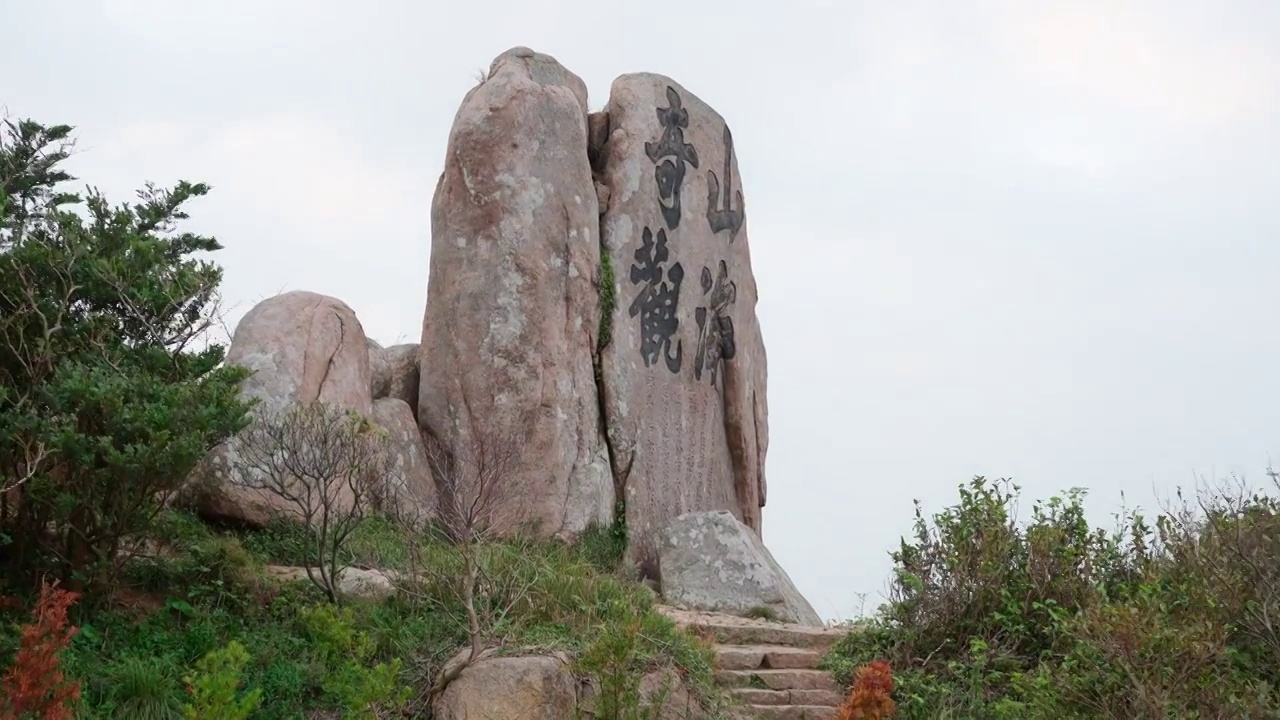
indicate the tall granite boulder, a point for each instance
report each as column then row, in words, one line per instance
column 513, row 311
column 684, row 371
column 300, row 347
column 711, row 561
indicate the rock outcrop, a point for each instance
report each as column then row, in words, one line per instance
column 711, row 561
column 683, row 375
column 512, row 312
column 300, row 347
column 590, row 331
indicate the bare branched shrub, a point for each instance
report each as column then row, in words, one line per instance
column 324, row 463
column 481, row 498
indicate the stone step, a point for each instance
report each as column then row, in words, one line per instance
column 754, row 696
column 732, row 630
column 776, row 657
column 789, row 712
column 776, row 679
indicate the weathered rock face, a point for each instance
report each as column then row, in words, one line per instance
column 410, row 495
column 711, row 561
column 394, row 373
column 301, row 347
column 684, row 372
column 536, row 687
column 512, row 311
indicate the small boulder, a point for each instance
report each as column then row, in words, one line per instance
column 535, row 687
column 302, row 346
column 711, row 561
column 353, row 582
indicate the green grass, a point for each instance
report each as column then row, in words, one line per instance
column 762, row 612
column 206, row 587
column 608, row 302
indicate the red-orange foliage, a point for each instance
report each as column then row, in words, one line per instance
column 34, row 688
column 869, row 699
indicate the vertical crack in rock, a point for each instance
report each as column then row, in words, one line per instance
column 597, row 139
column 303, row 393
column 337, row 351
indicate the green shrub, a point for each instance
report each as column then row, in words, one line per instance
column 104, row 412
column 215, row 683
column 992, row 618
column 355, row 683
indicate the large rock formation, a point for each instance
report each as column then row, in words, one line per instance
column 300, row 347
column 684, row 372
column 711, row 561
column 512, row 312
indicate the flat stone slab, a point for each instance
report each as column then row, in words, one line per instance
column 752, row 657
column 777, row 679
column 732, row 630
column 789, row 712
column 756, row 696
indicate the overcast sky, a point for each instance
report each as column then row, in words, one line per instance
column 1024, row 239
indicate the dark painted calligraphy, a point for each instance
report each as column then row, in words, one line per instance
column 670, row 154
column 715, row 327
column 726, row 217
column 657, row 300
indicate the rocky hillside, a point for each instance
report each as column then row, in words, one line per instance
column 558, row 317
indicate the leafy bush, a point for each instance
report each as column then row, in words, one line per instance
column 215, row 684
column 991, row 618
column 104, row 406
column 359, row 686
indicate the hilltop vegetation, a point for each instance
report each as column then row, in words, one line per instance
column 1167, row 618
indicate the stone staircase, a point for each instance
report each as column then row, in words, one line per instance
column 770, row 667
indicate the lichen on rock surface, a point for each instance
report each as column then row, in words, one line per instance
column 513, row 311
column 711, row 561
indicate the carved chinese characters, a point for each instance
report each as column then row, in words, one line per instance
column 683, row 375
